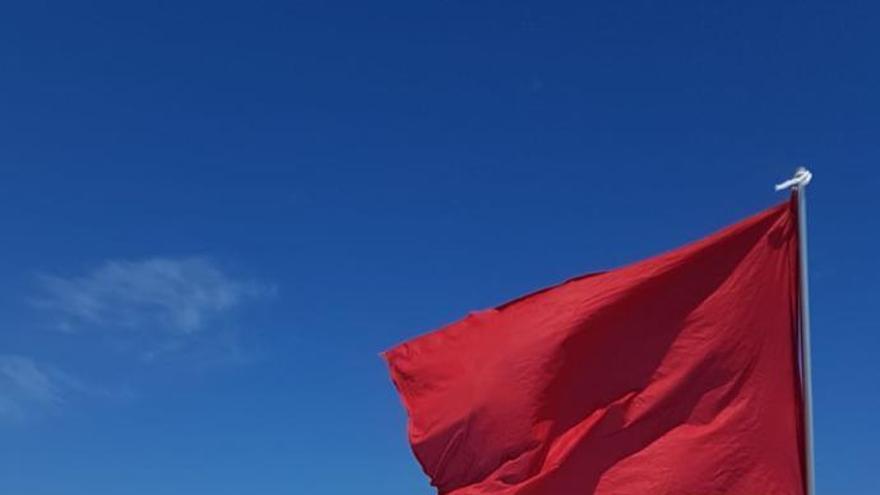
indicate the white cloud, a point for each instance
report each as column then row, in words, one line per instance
column 26, row 386
column 177, row 296
column 29, row 388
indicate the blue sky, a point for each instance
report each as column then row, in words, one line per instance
column 214, row 216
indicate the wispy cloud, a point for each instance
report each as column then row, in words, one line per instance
column 26, row 386
column 162, row 304
column 30, row 388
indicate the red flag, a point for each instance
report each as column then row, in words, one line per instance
column 675, row 375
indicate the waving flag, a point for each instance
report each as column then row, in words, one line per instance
column 675, row 375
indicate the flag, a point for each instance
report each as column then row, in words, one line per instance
column 674, row 375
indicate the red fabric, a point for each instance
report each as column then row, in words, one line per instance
column 674, row 375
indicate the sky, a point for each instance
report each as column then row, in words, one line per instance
column 214, row 216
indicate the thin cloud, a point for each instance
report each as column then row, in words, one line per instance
column 30, row 388
column 178, row 296
column 27, row 387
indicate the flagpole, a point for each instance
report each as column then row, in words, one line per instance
column 798, row 184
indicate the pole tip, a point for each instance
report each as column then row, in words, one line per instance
column 801, row 178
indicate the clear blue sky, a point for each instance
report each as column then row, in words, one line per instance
column 214, row 216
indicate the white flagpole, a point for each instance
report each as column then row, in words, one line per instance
column 798, row 183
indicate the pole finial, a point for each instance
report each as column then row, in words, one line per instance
column 801, row 178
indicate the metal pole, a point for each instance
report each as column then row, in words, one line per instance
column 804, row 306
column 798, row 184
